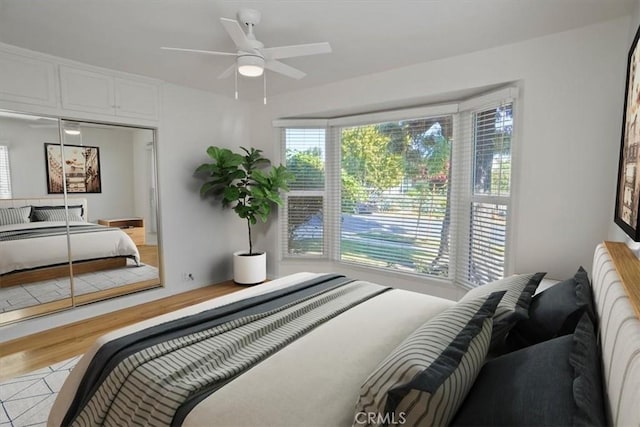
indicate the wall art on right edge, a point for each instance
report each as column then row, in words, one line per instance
column 628, row 193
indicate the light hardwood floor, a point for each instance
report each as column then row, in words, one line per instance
column 54, row 345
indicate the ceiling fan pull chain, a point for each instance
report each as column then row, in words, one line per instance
column 264, row 81
column 236, row 82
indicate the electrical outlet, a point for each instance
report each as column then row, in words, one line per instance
column 187, row 277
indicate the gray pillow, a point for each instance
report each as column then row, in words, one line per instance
column 555, row 312
column 56, row 213
column 425, row 379
column 514, row 305
column 10, row 216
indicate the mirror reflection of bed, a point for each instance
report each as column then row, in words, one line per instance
column 113, row 241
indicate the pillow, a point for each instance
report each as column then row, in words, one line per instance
column 55, row 213
column 10, row 216
column 554, row 312
column 74, row 217
column 514, row 305
column 554, row 383
column 424, row 380
column 58, row 215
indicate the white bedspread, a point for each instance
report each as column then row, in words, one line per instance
column 24, row 254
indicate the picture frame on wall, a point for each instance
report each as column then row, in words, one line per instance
column 81, row 168
column 628, row 191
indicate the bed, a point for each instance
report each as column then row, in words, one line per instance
column 33, row 241
column 311, row 349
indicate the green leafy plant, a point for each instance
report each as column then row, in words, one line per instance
column 245, row 182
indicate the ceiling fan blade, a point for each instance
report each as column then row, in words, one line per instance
column 236, row 33
column 282, row 68
column 226, row 73
column 43, row 126
column 296, row 50
column 208, row 52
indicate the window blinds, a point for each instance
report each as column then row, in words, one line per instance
column 395, row 199
column 303, row 231
column 428, row 195
column 5, row 173
column 485, row 191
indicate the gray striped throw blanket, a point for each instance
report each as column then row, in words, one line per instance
column 155, row 377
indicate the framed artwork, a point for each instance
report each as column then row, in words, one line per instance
column 81, row 168
column 628, row 193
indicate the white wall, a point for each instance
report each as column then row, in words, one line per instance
column 572, row 86
column 116, row 171
column 26, row 155
column 28, row 170
column 141, row 175
column 198, row 235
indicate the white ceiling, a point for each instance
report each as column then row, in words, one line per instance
column 366, row 36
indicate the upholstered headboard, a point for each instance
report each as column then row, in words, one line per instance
column 46, row 201
column 619, row 329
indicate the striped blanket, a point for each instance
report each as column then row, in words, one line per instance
column 156, row 376
column 30, row 233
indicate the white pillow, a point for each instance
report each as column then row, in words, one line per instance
column 514, row 306
column 426, row 378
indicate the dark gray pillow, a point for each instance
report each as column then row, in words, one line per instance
column 424, row 380
column 553, row 383
column 513, row 307
column 554, row 312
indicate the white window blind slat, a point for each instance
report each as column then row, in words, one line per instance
column 5, row 173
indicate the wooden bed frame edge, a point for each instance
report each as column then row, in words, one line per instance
column 628, row 268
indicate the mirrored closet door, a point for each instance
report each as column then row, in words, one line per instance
column 34, row 254
column 91, row 189
column 115, row 250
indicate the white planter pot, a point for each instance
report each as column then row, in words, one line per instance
column 249, row 270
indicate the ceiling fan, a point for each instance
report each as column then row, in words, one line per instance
column 252, row 57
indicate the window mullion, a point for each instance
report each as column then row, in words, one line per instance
column 462, row 174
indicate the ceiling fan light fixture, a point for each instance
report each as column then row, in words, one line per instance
column 72, row 128
column 250, row 65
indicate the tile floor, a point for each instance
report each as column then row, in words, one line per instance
column 27, row 400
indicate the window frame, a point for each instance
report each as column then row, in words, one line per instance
column 284, row 241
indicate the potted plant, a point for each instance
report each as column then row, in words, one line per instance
column 250, row 186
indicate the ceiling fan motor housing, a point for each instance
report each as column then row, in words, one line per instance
column 249, row 17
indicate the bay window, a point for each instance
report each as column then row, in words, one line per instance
column 421, row 191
